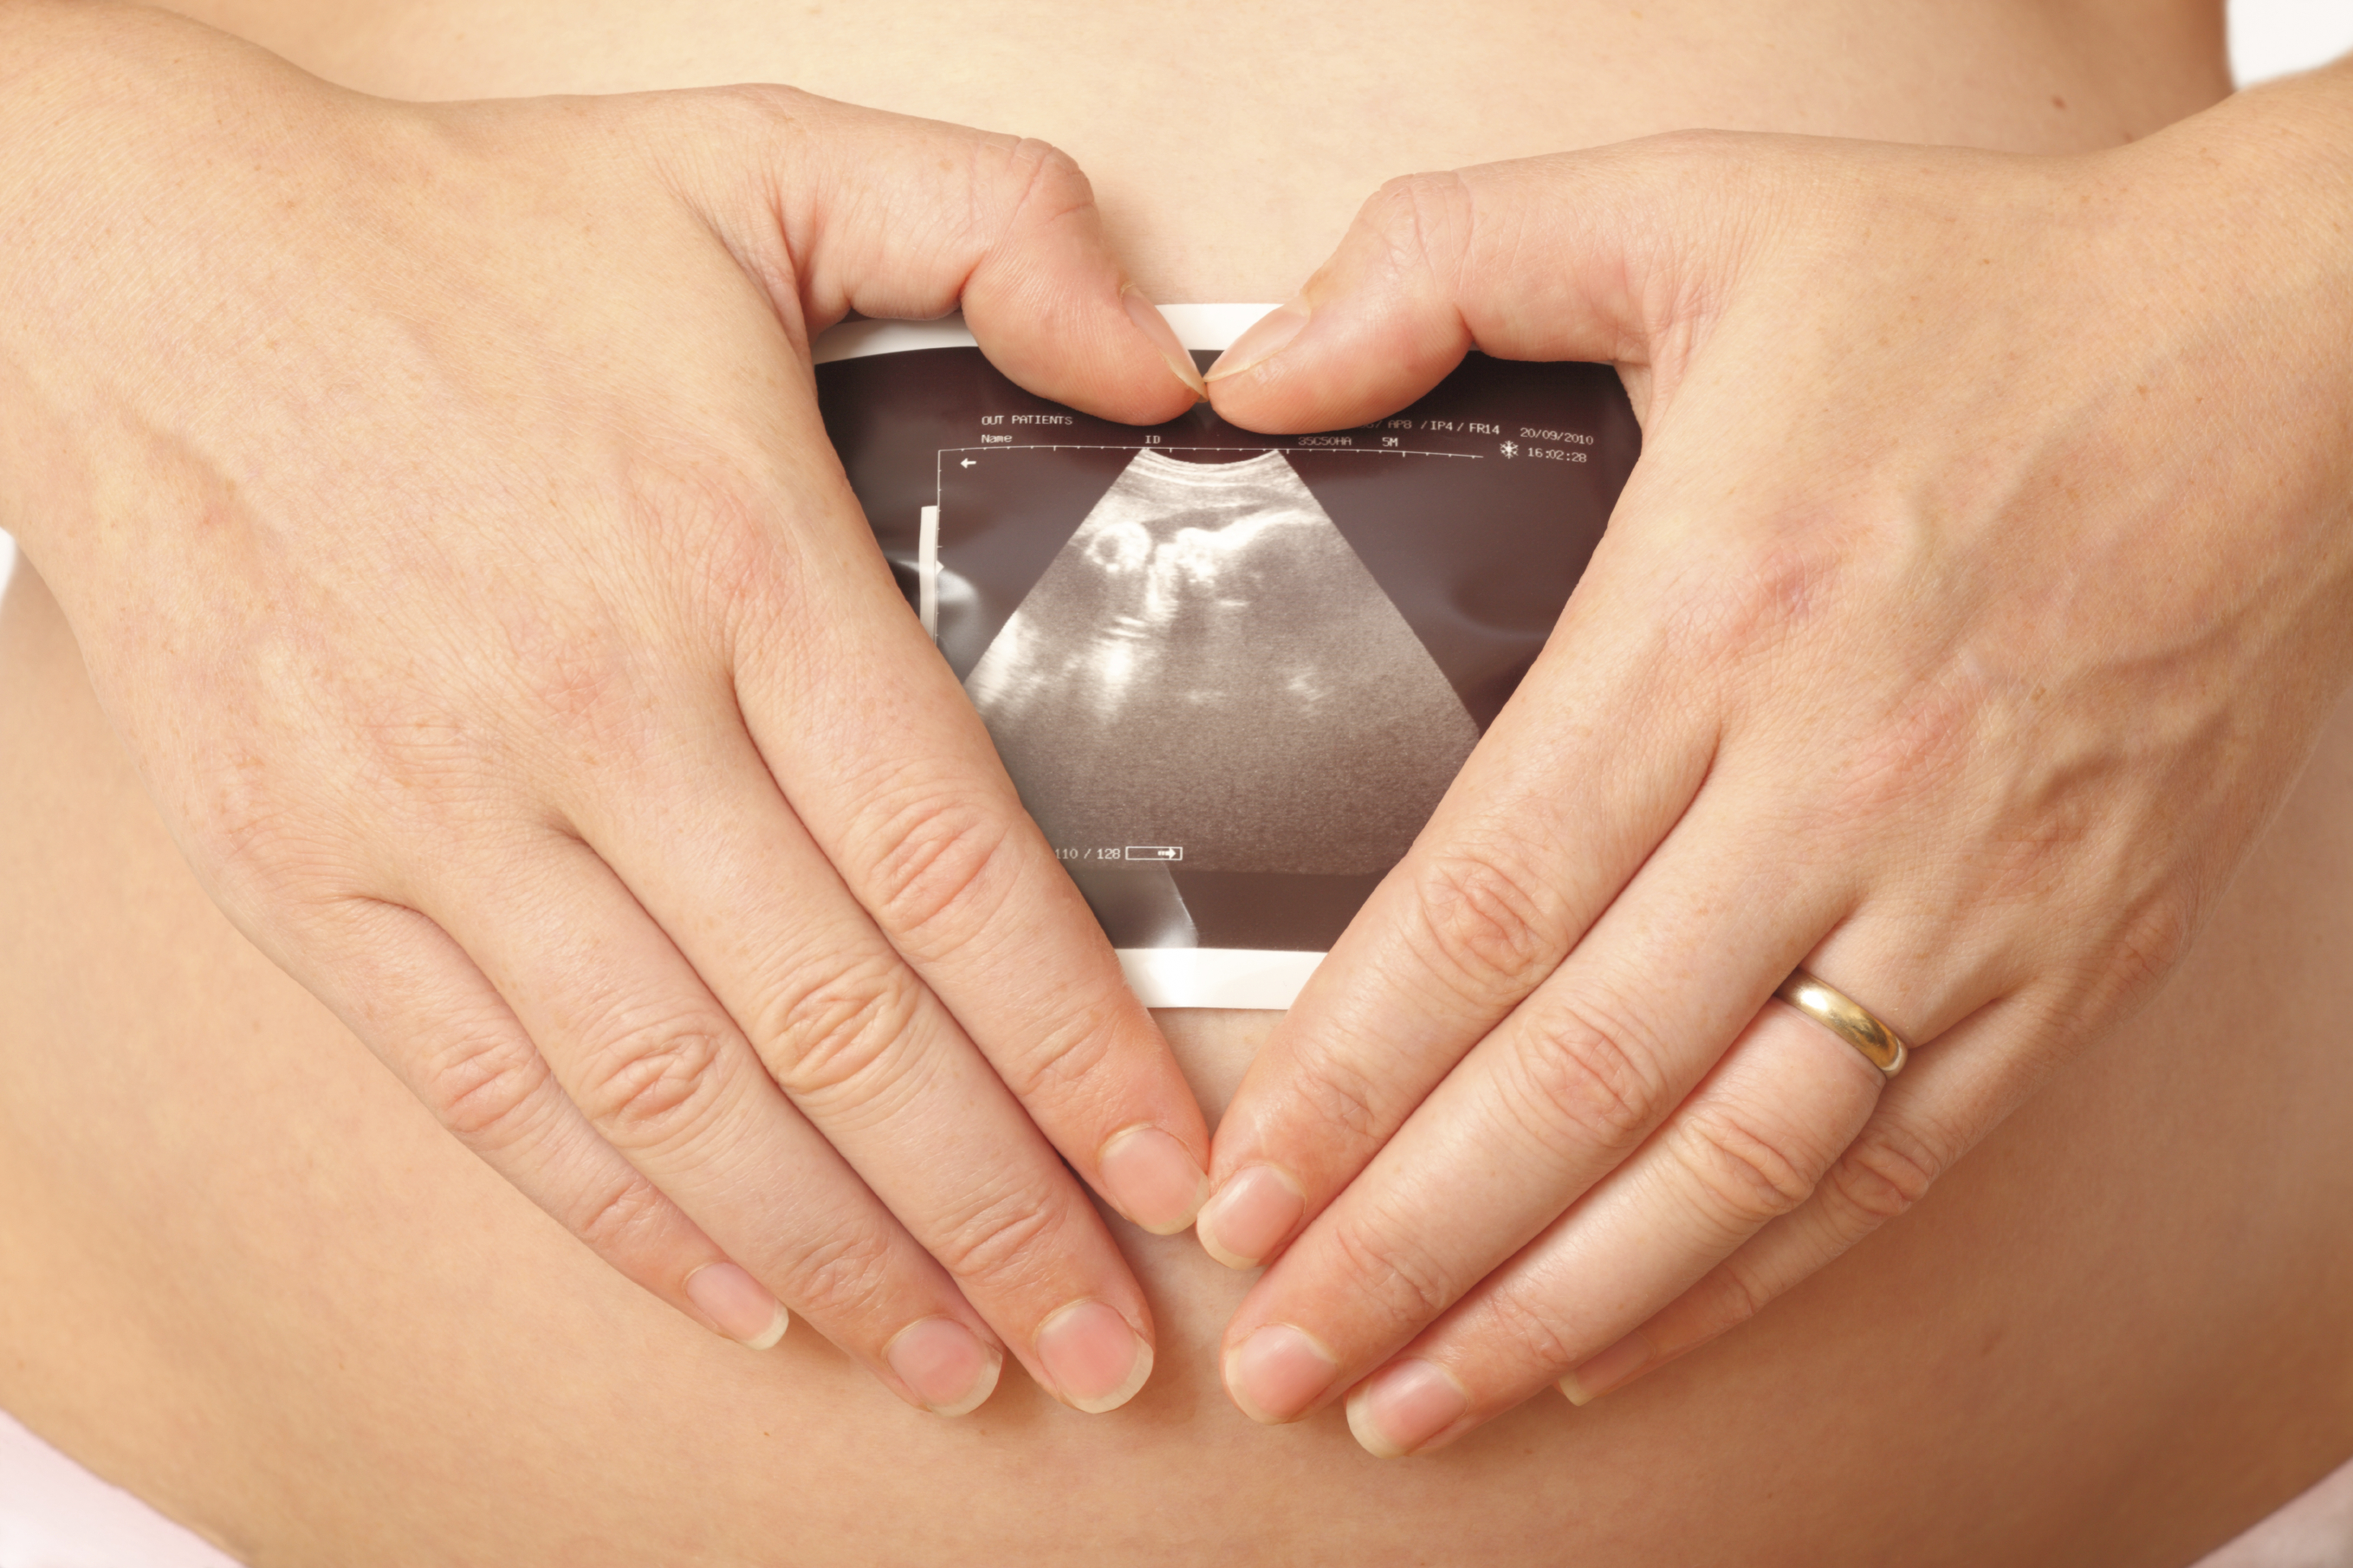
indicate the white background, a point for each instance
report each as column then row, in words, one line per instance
column 2271, row 37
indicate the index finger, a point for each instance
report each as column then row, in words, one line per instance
column 874, row 742
column 882, row 757
column 1548, row 819
column 1544, row 827
column 1612, row 254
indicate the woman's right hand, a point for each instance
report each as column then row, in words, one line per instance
column 439, row 496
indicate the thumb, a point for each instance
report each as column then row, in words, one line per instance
column 839, row 208
column 1617, row 255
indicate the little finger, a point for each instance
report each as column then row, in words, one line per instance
column 420, row 1003
column 1561, row 1093
column 879, row 754
column 1510, row 875
column 1930, row 1116
column 872, row 1059
column 662, row 1072
column 1748, row 1145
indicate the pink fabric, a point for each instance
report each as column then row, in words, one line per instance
column 55, row 1514
column 2315, row 1531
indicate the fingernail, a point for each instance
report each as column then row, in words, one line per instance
column 1264, row 339
column 1404, row 1406
column 739, row 1304
column 1249, row 1216
column 946, row 1366
column 1153, row 1180
column 1093, row 1355
column 1153, row 326
column 1613, row 1368
column 1278, row 1373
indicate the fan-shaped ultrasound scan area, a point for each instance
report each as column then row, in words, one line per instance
column 1207, row 667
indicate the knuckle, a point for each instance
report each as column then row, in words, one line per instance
column 707, row 517
column 482, row 1087
column 574, row 672
column 1747, row 1174
column 1588, row 1081
column 750, row 113
column 1746, row 602
column 1402, row 1281
column 1020, row 183
column 1732, row 1294
column 842, row 1276
column 242, row 831
column 616, row 1221
column 1074, row 1052
column 2156, row 938
column 1686, row 144
column 770, row 104
column 831, row 1037
column 441, row 763
column 1423, row 223
column 1052, row 181
column 938, row 863
column 1338, row 1093
column 654, row 1083
column 1483, row 925
column 1528, row 1338
column 1003, row 1237
column 1883, row 1172
column 1921, row 744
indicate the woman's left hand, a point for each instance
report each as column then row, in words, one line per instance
column 1985, row 580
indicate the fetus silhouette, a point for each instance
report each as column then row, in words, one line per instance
column 1208, row 673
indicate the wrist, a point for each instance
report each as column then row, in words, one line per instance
column 2258, row 193
column 120, row 129
column 2259, row 187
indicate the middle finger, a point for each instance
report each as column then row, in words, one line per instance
column 660, row 1073
column 1508, row 877
column 876, row 1062
column 1561, row 1093
column 1752, row 1141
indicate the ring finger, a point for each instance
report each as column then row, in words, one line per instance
column 1750, row 1145
column 876, row 1062
column 1919, row 1128
column 662, row 1074
column 1563, row 1092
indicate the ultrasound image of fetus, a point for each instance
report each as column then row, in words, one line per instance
column 1207, row 666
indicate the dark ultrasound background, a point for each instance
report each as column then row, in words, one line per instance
column 1211, row 668
column 1206, row 672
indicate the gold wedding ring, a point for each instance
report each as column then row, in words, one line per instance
column 1849, row 1020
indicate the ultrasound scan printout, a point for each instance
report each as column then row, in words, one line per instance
column 1230, row 674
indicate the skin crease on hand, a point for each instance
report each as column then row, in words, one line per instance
column 538, row 697
column 1987, row 656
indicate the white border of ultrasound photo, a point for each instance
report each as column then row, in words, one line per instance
column 1161, row 977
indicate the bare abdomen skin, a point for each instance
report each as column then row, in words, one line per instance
column 242, row 1272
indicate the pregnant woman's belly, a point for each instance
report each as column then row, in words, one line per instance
column 1229, row 144
column 242, row 1272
